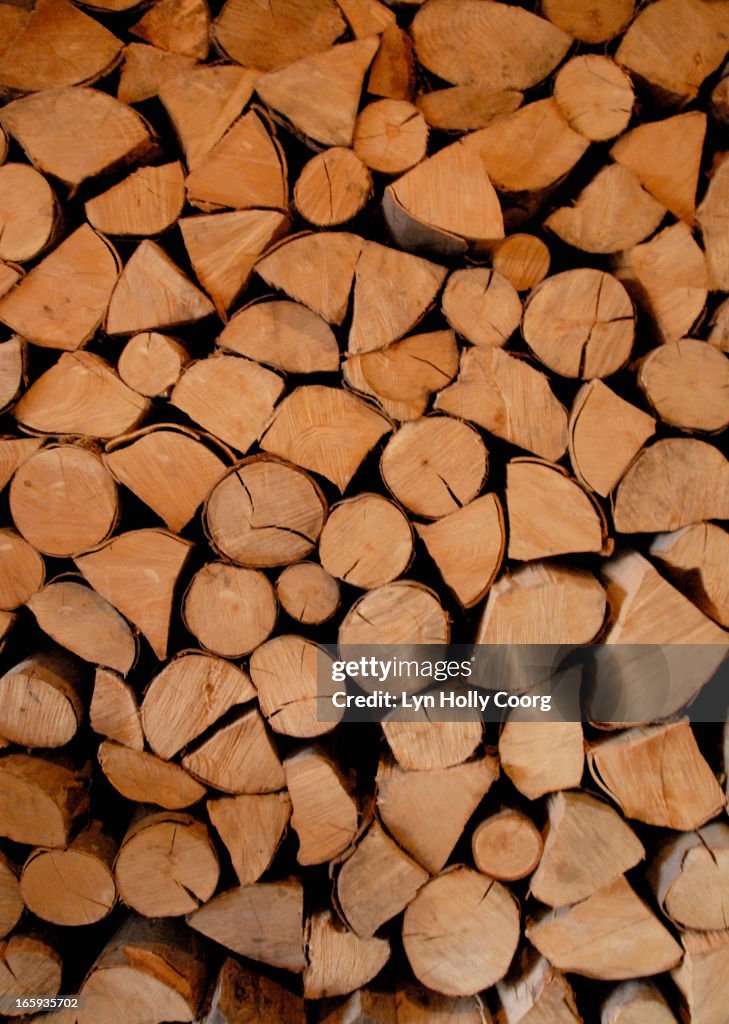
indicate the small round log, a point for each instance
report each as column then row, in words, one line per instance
column 308, row 593
column 366, row 542
column 332, row 188
column 507, row 846
column 229, row 609
column 390, row 136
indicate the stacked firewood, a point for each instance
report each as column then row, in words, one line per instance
column 362, row 323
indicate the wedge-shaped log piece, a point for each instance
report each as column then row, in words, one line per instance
column 325, row 430
column 339, row 961
column 587, row 846
column 144, row 778
column 466, row 107
column 180, row 26
column 251, row 827
column 549, row 513
column 366, row 542
column 79, row 619
column 238, row 990
column 687, row 383
column 668, row 278
column 580, row 323
column 28, row 967
column 146, row 203
column 28, row 213
column 506, row 846
column 390, row 136
column 146, row 70
column 264, row 513
column 230, row 610
column 282, row 334
column 500, row 46
column 392, row 293
column 62, row 301
column 316, row 269
column 224, row 247
column 325, row 814
column 115, row 571
column 153, row 293
column 47, row 127
column 12, row 374
column 320, row 94
column 188, row 696
column 22, row 570
column 41, row 700
column 113, row 711
column 275, row 36
column 376, row 882
column 594, row 21
column 674, row 482
column 333, row 187
column 263, row 922
column 703, row 977
column 422, row 212
column 366, row 17
column 58, row 45
column 151, row 363
column 534, row 991
column 650, row 47
column 482, row 305
column 529, row 150
column 689, row 877
column 677, row 788
column 461, row 932
column 166, row 865
column 11, row 902
column 541, row 757
column 233, row 398
column 239, row 758
column 448, row 795
column 612, row 936
column 507, row 396
column 712, row 217
column 468, row 547
column 612, row 212
column 634, row 1002
column 605, row 435
column 40, row 800
column 168, row 468
column 285, row 672
column 666, row 156
column 694, row 557
column 595, row 96
column 246, row 169
column 392, row 73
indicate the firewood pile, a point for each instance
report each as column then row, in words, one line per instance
column 361, row 323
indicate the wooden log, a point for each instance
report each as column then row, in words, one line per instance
column 418, row 1005
column 465, row 107
column 13, row 453
column 605, row 434
column 263, row 922
column 58, row 45
column 10, row 274
column 450, row 932
column 686, row 383
column 278, row 36
column 392, row 72
column 612, row 935
column 341, row 430
column 80, row 394
column 188, row 696
column 367, row 541
column 506, row 846
column 146, row 70
column 12, row 370
column 595, row 22
column 448, row 795
column 325, row 814
column 333, row 187
column 251, row 828
column 376, row 882
column 390, row 136
column 239, row 995
column 40, row 800
column 468, row 547
column 264, row 513
column 113, row 710
column 482, row 306
column 719, row 328
column 701, row 978
column 41, row 700
column 420, row 744
column 43, row 124
column 673, row 483
column 523, row 260
column 371, row 1002
column 338, row 961
column 535, row 991
column 153, row 293
column 503, row 393
column 11, row 900
column 677, row 788
column 29, row 213
column 711, row 217
column 238, row 758
column 286, row 672
column 147, row 202
column 143, row 778
column 400, row 612
column 28, row 967
column 595, row 95
column 549, row 513
column 688, row 877
column 166, row 865
column 80, row 620
column 636, row 1002
column 114, row 570
column 587, row 846
column 74, row 886
column 668, row 277
column 308, row 593
column 180, row 26
column 282, row 334
column 22, row 570
column 541, row 757
column 169, row 468
column 151, row 363
column 228, row 609
column 580, row 323
column 693, row 556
